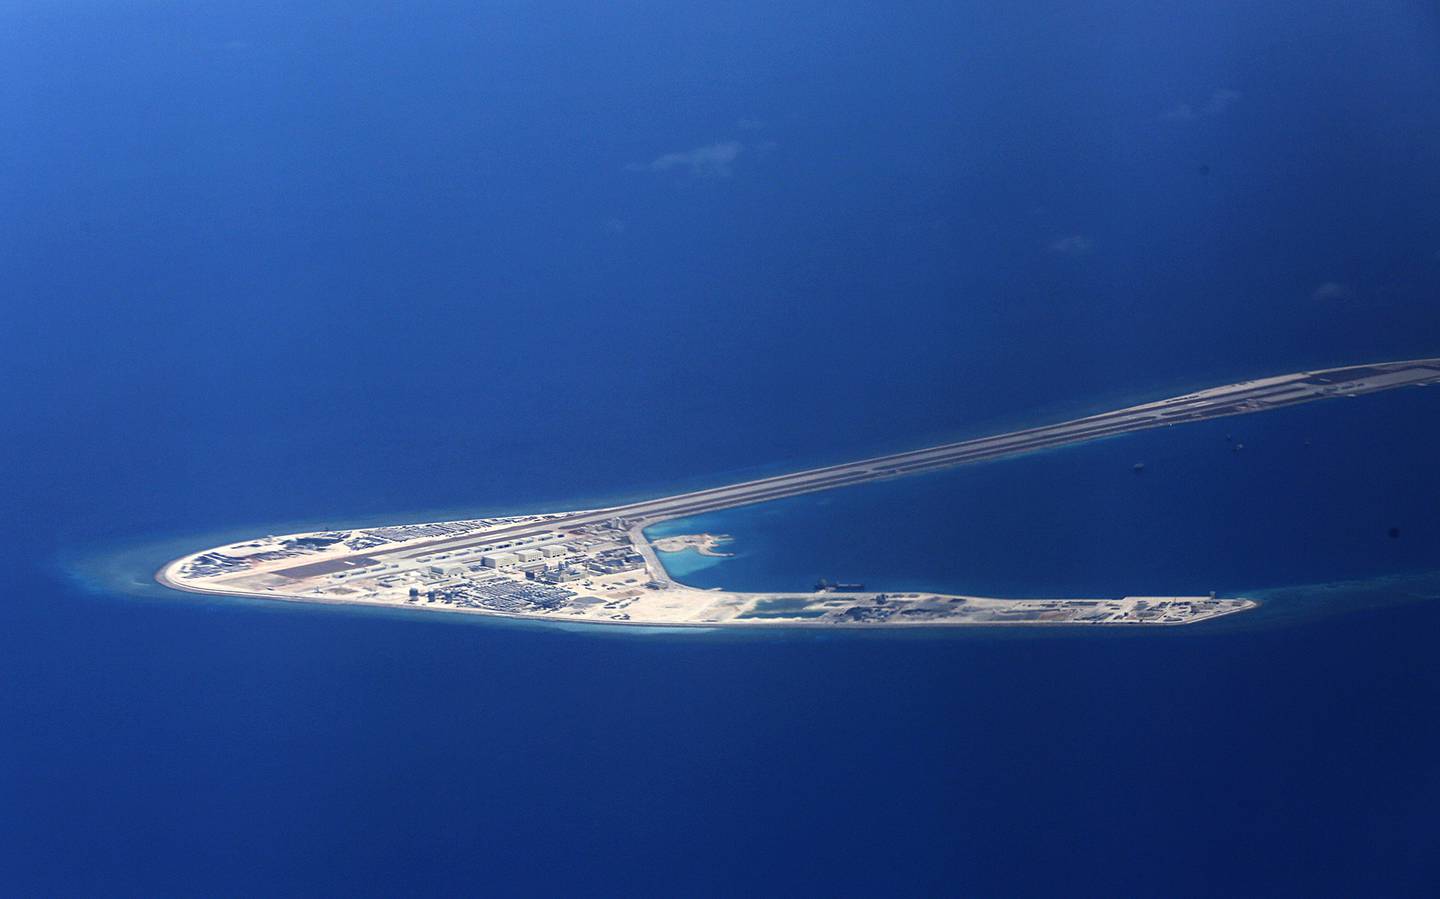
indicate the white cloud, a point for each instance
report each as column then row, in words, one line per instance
column 749, row 124
column 711, row 161
column 1331, row 290
column 1218, row 103
column 613, row 226
column 1072, row 245
column 1220, row 100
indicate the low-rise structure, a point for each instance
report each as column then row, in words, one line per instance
column 499, row 560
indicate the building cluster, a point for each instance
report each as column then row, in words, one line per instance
column 524, row 557
column 526, row 574
column 497, row 594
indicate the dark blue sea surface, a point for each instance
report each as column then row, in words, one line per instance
column 272, row 266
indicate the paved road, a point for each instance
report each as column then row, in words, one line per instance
column 1231, row 399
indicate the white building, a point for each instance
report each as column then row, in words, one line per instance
column 499, row 560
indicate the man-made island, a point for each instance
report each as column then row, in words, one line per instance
column 597, row 565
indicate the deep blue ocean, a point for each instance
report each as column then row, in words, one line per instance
column 267, row 266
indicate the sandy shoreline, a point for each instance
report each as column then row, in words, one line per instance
column 749, row 624
column 704, row 544
column 597, row 566
column 698, row 599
